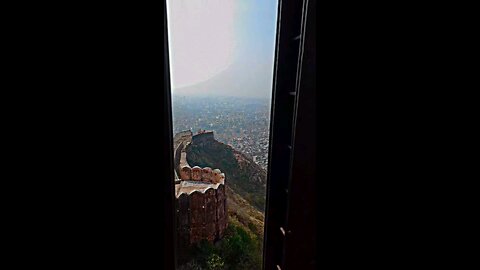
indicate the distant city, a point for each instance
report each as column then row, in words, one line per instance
column 242, row 123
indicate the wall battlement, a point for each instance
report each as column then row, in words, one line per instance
column 184, row 134
column 201, row 203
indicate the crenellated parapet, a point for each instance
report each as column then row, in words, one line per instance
column 205, row 175
column 201, row 203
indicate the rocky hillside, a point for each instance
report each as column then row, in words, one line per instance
column 240, row 211
column 243, row 175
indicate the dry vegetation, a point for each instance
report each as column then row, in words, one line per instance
column 241, row 211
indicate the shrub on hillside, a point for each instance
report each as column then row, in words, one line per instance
column 238, row 250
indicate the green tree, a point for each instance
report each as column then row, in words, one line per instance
column 214, row 262
column 238, row 250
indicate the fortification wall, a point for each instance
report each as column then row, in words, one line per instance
column 201, row 203
column 177, row 156
column 180, row 140
column 183, row 156
column 201, row 216
column 183, row 135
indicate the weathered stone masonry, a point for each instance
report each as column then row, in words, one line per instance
column 200, row 199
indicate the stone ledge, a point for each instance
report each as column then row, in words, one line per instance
column 188, row 187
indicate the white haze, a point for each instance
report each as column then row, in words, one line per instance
column 222, row 47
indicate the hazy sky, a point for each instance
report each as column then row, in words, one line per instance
column 222, row 47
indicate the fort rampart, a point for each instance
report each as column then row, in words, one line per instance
column 200, row 198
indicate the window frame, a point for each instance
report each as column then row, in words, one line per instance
column 291, row 17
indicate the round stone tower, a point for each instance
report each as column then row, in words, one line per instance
column 200, row 205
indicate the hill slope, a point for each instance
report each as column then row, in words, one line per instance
column 243, row 175
column 239, row 210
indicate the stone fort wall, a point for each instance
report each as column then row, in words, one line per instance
column 177, row 154
column 180, row 140
column 201, row 216
column 200, row 203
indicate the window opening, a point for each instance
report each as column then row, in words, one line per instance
column 221, row 64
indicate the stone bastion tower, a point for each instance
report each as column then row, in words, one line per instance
column 200, row 204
